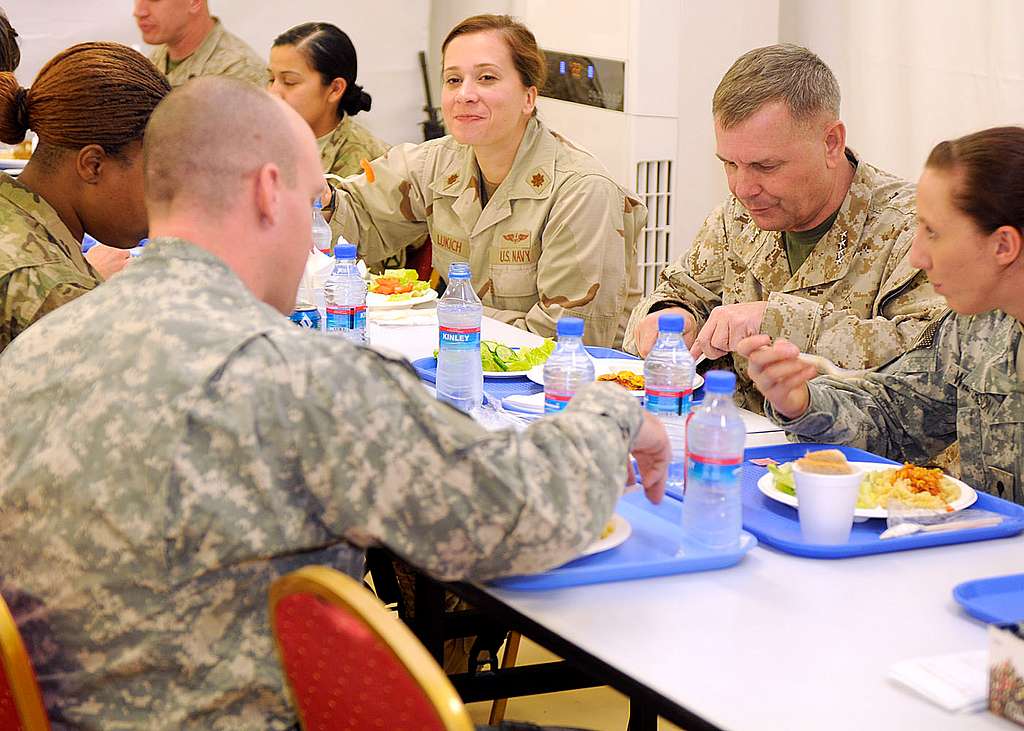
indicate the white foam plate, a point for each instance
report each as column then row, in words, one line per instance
column 376, row 301
column 610, row 365
column 766, row 484
column 621, row 530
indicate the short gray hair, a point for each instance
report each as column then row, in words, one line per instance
column 784, row 72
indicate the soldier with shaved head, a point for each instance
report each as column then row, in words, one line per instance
column 246, row 447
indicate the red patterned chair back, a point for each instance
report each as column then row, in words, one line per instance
column 21, row 703
column 352, row 666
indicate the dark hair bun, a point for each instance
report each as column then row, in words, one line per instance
column 355, row 100
column 13, row 110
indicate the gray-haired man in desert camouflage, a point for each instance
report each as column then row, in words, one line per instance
column 812, row 243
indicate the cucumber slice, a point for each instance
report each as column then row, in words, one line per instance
column 504, row 354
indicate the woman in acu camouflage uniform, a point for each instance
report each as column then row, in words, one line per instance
column 964, row 379
column 545, row 229
column 89, row 107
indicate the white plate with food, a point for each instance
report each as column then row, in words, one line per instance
column 629, row 372
column 880, row 484
column 376, row 301
column 614, row 534
column 504, row 374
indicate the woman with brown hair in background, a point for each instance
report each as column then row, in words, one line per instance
column 89, row 106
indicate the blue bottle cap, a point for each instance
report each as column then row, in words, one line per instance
column 318, row 205
column 570, row 326
column 345, row 251
column 719, row 381
column 670, row 323
column 458, row 270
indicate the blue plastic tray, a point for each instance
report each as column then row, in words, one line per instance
column 777, row 525
column 654, row 548
column 999, row 600
column 499, row 388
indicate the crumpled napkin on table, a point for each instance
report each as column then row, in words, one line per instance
column 957, row 682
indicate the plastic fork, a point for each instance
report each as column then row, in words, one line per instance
column 828, row 368
column 907, row 529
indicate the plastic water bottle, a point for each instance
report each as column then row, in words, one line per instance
column 321, row 230
column 568, row 368
column 345, row 296
column 460, row 374
column 712, row 509
column 668, row 383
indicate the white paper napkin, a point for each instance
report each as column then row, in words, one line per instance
column 407, row 316
column 957, row 682
column 532, row 404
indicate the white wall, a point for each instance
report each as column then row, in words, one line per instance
column 915, row 72
column 387, row 35
column 712, row 36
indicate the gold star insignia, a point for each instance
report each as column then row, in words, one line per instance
column 537, row 181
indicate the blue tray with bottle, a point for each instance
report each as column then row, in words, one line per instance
column 776, row 524
column 654, row 546
column 506, row 385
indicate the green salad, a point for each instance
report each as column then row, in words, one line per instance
column 784, row 481
column 500, row 358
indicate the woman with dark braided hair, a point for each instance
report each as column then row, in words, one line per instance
column 89, row 106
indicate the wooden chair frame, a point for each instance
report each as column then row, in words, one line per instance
column 17, row 668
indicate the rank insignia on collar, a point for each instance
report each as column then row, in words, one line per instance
column 841, row 249
column 452, row 179
column 538, row 180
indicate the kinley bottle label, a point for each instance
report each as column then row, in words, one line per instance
column 346, row 318
column 555, row 401
column 674, row 403
column 458, row 338
column 713, row 470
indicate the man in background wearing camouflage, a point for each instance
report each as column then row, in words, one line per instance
column 170, row 443
column 811, row 245
column 964, row 379
column 193, row 43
